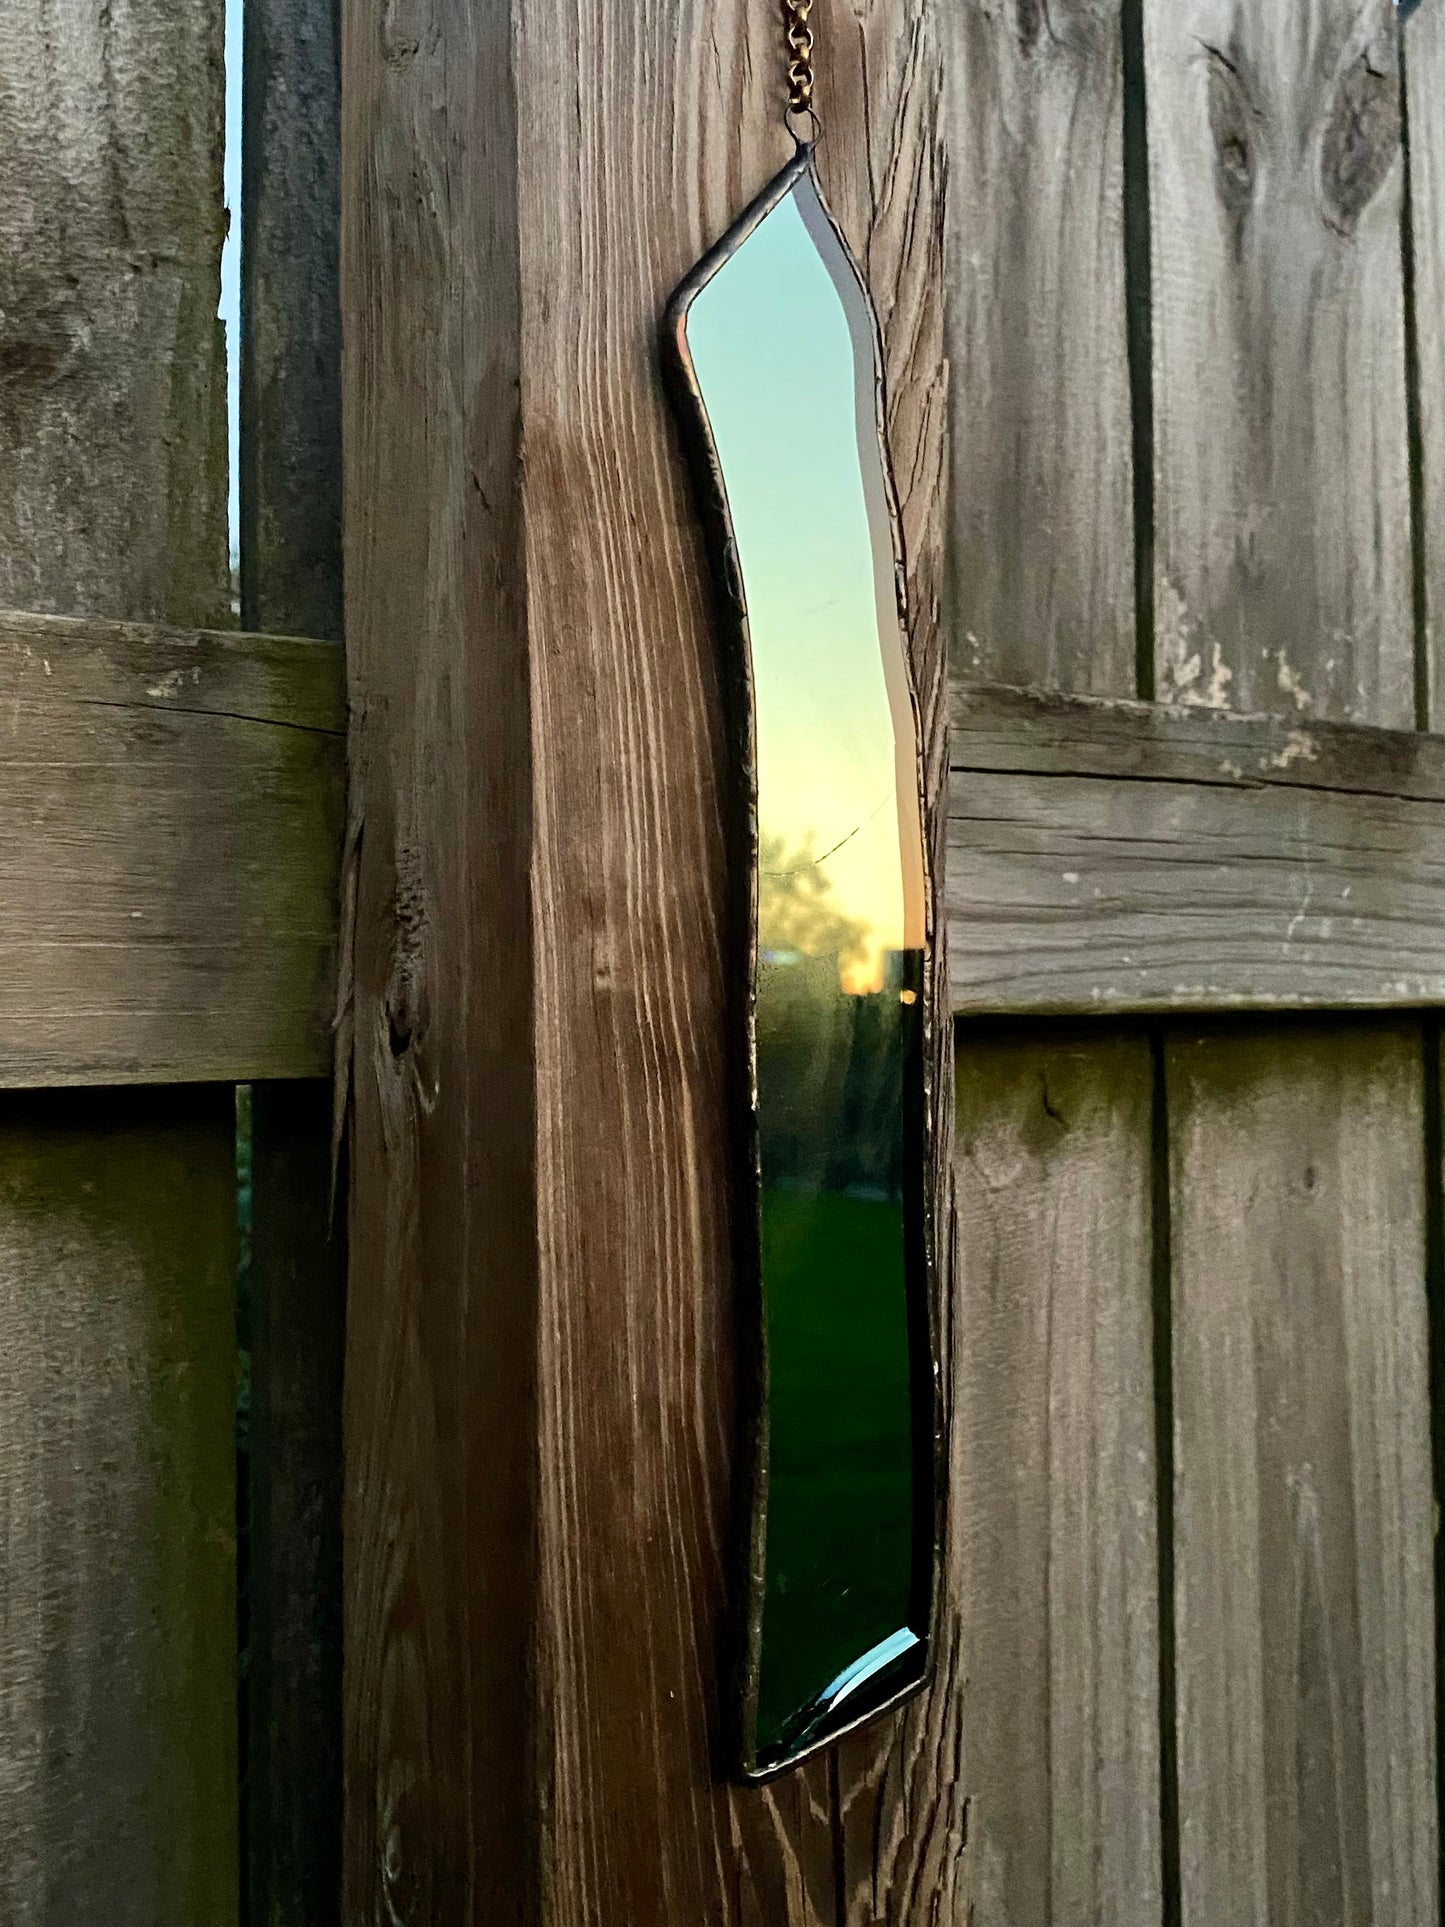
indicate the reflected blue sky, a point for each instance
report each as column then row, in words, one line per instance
column 231, row 264
column 779, row 367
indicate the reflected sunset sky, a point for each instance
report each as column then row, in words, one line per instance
column 789, row 392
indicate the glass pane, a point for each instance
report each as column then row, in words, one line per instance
column 777, row 351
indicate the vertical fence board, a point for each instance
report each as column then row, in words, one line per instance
column 972, row 1808
column 1283, row 498
column 117, row 1490
column 291, row 578
column 1305, row 1605
column 1425, row 78
column 534, row 1671
column 1053, row 1450
column 117, row 1214
column 1041, row 556
column 291, row 582
column 441, row 1799
column 1303, row 1547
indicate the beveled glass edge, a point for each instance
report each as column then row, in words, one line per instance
column 752, row 1378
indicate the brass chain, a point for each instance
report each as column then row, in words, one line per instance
column 800, row 58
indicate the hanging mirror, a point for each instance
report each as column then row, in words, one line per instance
column 773, row 351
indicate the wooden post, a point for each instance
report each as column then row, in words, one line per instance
column 539, row 1396
column 117, row 1212
column 291, row 581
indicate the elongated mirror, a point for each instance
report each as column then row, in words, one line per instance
column 773, row 352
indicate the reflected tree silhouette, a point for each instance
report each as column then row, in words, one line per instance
column 796, row 910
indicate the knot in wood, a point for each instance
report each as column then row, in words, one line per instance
column 1075, row 27
column 1361, row 139
column 1233, row 124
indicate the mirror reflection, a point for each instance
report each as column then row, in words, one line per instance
column 778, row 337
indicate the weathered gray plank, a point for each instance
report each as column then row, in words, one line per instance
column 291, row 580
column 1283, row 503
column 1305, row 1601
column 174, row 803
column 113, row 378
column 1425, row 81
column 1053, row 1693
column 1041, row 561
column 87, row 663
column 1284, row 583
column 117, row 1228
column 1036, row 732
column 117, row 1496
column 1120, row 857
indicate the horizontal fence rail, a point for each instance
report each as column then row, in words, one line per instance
column 1117, row 856
column 176, row 801
column 173, row 803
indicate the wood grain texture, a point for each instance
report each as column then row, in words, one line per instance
column 631, row 986
column 540, row 1377
column 1425, row 83
column 117, row 1214
column 291, row 580
column 1304, row 1591
column 113, row 380
column 291, row 575
column 1283, row 502
column 117, row 1492
column 1041, row 561
column 444, row 1809
column 1056, row 1690
column 174, row 801
column 1284, row 582
column 1119, row 856
column 1026, row 1787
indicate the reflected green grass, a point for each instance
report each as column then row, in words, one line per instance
column 841, row 1490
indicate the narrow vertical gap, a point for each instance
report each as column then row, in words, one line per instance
column 230, row 315
column 1139, row 310
column 1138, row 282
column 1163, row 1274
column 1434, row 1132
column 246, row 453
column 230, row 309
column 244, row 1230
column 1435, row 1296
column 1414, row 428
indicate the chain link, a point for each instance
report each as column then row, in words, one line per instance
column 800, row 58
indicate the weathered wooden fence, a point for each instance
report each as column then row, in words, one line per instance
column 1163, row 292
column 171, row 806
column 1151, row 300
